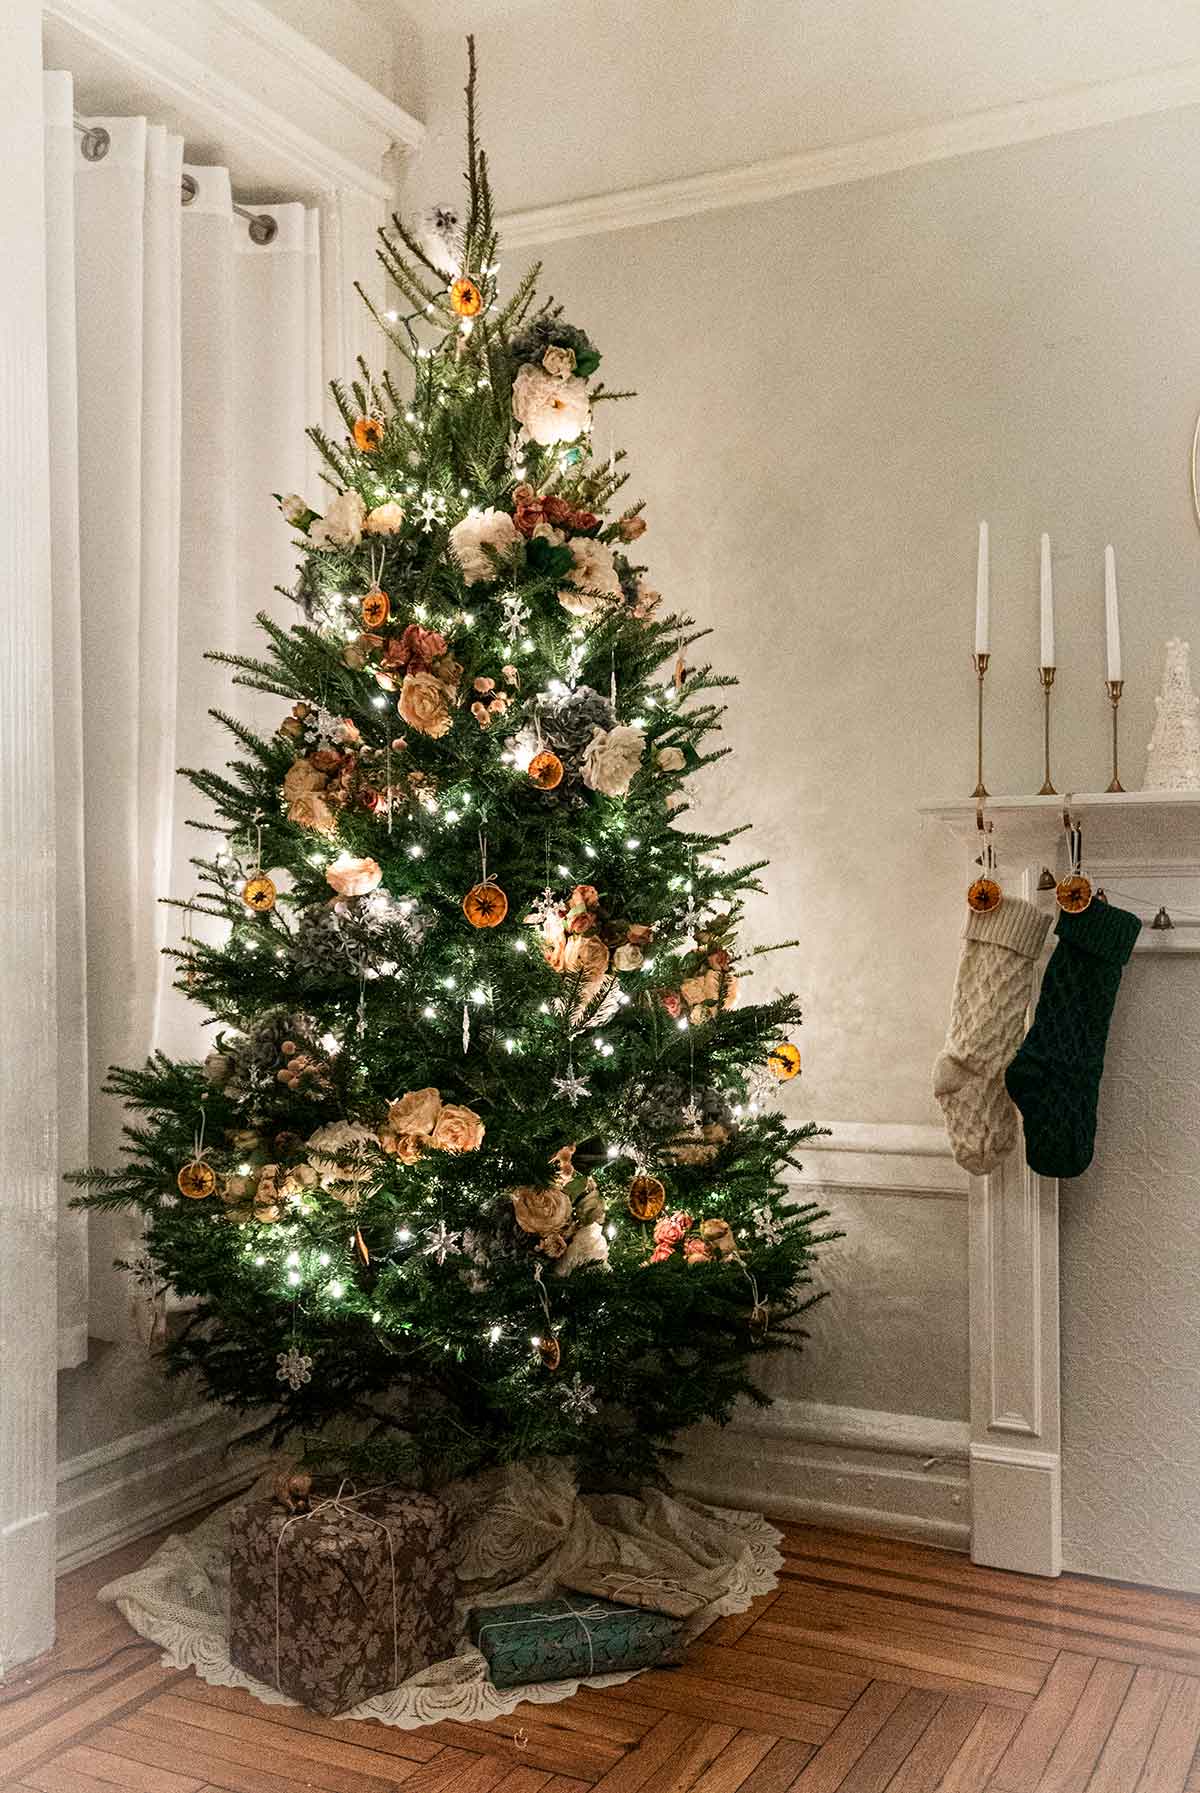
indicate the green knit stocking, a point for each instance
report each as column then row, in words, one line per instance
column 1055, row 1077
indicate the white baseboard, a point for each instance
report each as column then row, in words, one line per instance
column 121, row 1491
column 896, row 1474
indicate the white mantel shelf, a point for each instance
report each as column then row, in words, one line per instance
column 1117, row 825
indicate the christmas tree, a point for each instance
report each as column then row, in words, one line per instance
column 482, row 1164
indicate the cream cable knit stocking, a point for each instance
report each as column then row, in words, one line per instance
column 987, row 1024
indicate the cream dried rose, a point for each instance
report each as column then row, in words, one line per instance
column 541, row 1211
column 559, row 363
column 342, row 524
column 457, row 1130
column 352, row 877
column 588, row 1246
column 481, row 529
column 551, row 410
column 611, row 758
column 628, row 958
column 311, row 811
column 294, row 508
column 425, row 704
column 670, row 759
column 592, row 577
column 385, row 519
column 417, row 1112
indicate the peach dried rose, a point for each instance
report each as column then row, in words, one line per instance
column 457, row 1129
column 541, row 1211
column 719, row 1235
column 553, row 1244
column 695, row 1251
column 352, row 877
column 416, row 1112
column 404, row 1146
column 302, row 778
column 311, row 811
column 630, row 528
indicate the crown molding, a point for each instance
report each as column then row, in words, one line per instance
column 239, row 76
column 751, row 183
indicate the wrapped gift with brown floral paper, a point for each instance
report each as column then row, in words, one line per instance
column 343, row 1601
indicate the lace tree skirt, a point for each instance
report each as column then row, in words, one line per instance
column 520, row 1530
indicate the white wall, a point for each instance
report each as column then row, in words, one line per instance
column 833, row 388
column 584, row 96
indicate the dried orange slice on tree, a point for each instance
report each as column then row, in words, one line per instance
column 485, row 905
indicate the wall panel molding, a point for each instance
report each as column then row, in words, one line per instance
column 897, row 1474
column 752, row 183
column 883, row 1158
column 123, row 1490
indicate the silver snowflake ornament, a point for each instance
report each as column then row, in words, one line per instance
column 144, row 1271
column 572, row 1087
column 431, row 510
column 440, row 1242
column 770, row 1227
column 294, row 1368
column 578, row 1399
column 514, row 614
column 693, row 1115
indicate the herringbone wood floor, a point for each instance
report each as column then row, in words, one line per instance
column 875, row 1667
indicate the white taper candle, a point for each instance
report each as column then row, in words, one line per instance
column 1111, row 619
column 982, row 596
column 1047, row 658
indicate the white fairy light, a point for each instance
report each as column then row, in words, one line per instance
column 493, row 1335
column 647, row 964
column 448, row 983
column 292, row 1258
column 377, row 1316
column 611, row 1230
column 416, row 850
column 682, row 1023
column 402, row 1235
column 452, row 815
column 590, row 851
column 410, row 417
column 429, row 1011
column 557, row 688
column 330, row 1043
column 260, row 1260
column 243, row 1170
column 393, row 317
column 324, row 1260
column 543, row 1008
column 633, row 844
column 379, row 703
column 564, row 871
column 337, row 1290
column 614, row 1152
column 420, row 611
column 467, row 619
column 316, row 859
column 520, row 946
column 510, row 1045
column 294, row 1279
column 478, row 995
column 527, row 646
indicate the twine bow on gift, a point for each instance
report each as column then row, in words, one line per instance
column 342, row 1504
column 581, row 1614
column 625, row 1585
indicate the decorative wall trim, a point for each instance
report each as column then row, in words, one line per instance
column 247, row 78
column 883, row 1158
column 123, row 1490
column 1054, row 115
column 898, row 1474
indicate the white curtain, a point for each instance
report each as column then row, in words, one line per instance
column 183, row 370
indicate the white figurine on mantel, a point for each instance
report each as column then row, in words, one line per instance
column 1173, row 756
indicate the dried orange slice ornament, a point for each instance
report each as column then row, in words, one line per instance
column 546, row 770
column 1073, row 894
column 196, row 1180
column 984, row 896
column 645, row 1198
column 375, row 608
column 466, row 300
column 368, row 434
column 485, row 905
column 783, row 1061
column 258, row 893
column 550, row 1352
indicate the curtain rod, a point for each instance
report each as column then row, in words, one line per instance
column 95, row 143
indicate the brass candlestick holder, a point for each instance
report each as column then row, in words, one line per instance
column 981, row 666
column 1114, row 688
column 1046, row 674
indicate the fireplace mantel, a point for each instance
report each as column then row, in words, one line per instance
column 1143, row 847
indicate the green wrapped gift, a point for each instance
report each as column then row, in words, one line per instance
column 570, row 1635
